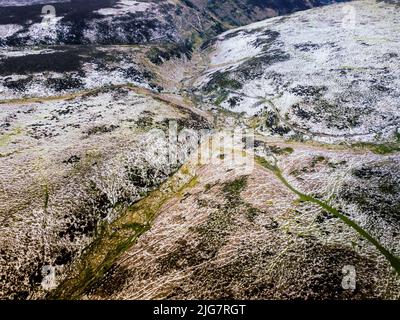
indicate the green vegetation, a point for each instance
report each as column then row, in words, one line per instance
column 235, row 187
column 394, row 260
column 117, row 237
column 281, row 151
column 221, row 98
column 8, row 137
column 170, row 51
column 220, row 223
column 221, row 84
column 380, row 148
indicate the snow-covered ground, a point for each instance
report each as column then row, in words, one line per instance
column 333, row 73
column 127, row 6
column 97, row 22
column 104, row 66
column 23, row 3
column 92, row 155
column 75, row 160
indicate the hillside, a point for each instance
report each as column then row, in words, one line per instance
column 102, row 22
column 259, row 163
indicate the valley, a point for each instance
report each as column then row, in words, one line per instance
column 207, row 155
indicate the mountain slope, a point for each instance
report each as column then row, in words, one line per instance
column 95, row 204
column 127, row 21
column 309, row 82
column 237, row 234
column 241, row 12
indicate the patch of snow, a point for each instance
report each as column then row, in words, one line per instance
column 125, row 7
column 357, row 69
column 23, row 3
